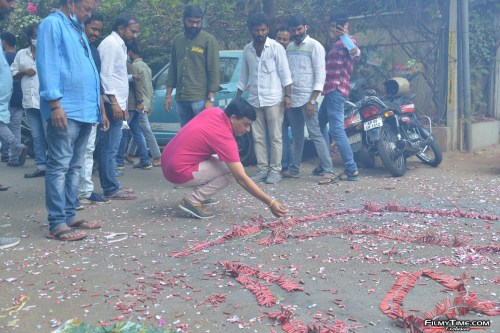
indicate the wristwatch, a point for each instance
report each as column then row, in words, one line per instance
column 312, row 101
column 211, row 99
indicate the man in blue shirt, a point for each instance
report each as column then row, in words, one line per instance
column 69, row 100
column 6, row 7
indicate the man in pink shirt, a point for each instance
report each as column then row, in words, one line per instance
column 204, row 155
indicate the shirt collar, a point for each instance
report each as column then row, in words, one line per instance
column 118, row 38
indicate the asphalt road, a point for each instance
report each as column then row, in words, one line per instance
column 169, row 274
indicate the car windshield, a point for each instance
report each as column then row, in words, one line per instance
column 227, row 67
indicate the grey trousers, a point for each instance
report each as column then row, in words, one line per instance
column 16, row 115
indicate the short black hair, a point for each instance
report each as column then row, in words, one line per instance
column 30, row 29
column 192, row 11
column 134, row 48
column 283, row 28
column 95, row 17
column 9, row 38
column 124, row 20
column 257, row 19
column 340, row 17
column 296, row 20
column 241, row 109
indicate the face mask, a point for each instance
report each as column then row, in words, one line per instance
column 192, row 31
column 33, row 42
column 74, row 18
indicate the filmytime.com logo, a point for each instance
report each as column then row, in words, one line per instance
column 456, row 325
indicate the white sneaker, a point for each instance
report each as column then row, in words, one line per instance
column 6, row 242
column 273, row 177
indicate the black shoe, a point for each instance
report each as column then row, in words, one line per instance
column 13, row 164
column 5, row 157
column 34, row 174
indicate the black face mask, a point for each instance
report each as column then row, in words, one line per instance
column 259, row 39
column 192, row 31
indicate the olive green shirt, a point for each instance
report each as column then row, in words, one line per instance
column 144, row 87
column 194, row 67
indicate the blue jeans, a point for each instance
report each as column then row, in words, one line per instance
column 335, row 111
column 66, row 150
column 323, row 121
column 135, row 128
column 38, row 127
column 16, row 116
column 148, row 135
column 188, row 110
column 109, row 141
column 285, row 154
column 298, row 118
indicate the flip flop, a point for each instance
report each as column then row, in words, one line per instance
column 350, row 177
column 68, row 238
column 83, row 224
column 328, row 178
column 122, row 194
column 128, row 190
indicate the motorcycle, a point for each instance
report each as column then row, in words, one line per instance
column 392, row 130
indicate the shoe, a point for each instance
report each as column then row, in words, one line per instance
column 120, row 166
column 95, row 199
column 79, row 205
column 5, row 157
column 318, row 171
column 197, row 210
column 119, row 173
column 260, row 176
column 156, row 162
column 13, row 164
column 273, row 177
column 289, row 174
column 6, row 242
column 22, row 151
column 129, row 160
column 210, row 202
column 34, row 174
column 144, row 166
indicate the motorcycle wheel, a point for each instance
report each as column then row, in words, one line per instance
column 386, row 146
column 365, row 157
column 431, row 154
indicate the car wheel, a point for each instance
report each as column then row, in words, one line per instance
column 246, row 149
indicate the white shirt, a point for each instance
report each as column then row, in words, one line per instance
column 29, row 84
column 307, row 63
column 265, row 76
column 114, row 76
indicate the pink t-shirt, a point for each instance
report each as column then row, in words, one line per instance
column 208, row 133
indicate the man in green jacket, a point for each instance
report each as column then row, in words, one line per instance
column 194, row 68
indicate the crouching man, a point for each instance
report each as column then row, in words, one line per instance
column 204, row 155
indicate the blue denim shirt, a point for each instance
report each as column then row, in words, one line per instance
column 66, row 69
column 5, row 88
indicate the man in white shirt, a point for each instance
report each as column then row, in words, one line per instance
column 306, row 57
column 265, row 73
column 114, row 80
column 24, row 68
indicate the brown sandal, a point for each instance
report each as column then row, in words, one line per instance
column 328, row 178
column 84, row 224
column 68, row 235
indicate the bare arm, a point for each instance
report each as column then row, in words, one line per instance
column 241, row 177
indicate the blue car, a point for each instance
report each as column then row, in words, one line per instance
column 166, row 124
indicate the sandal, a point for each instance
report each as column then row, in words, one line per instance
column 328, row 178
column 348, row 176
column 69, row 235
column 318, row 171
column 4, row 188
column 128, row 190
column 83, row 224
column 122, row 194
column 129, row 160
column 156, row 162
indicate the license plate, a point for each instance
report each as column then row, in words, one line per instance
column 354, row 138
column 373, row 124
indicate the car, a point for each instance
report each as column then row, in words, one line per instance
column 166, row 124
